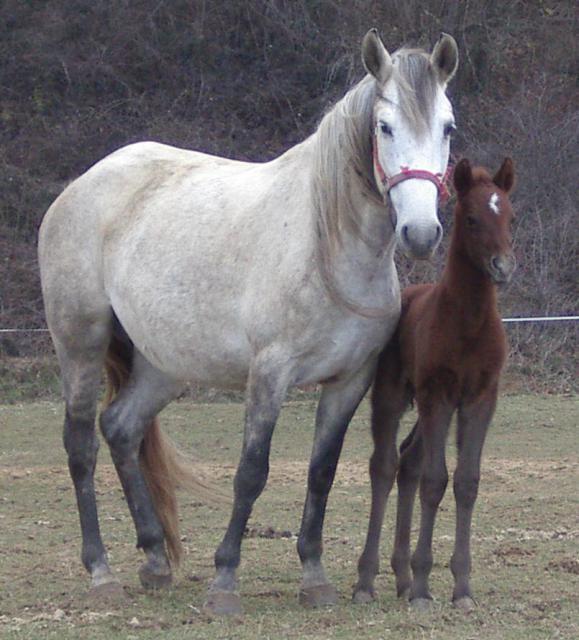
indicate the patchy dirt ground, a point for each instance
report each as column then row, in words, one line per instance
column 525, row 540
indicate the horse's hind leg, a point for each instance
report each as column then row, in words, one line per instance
column 473, row 422
column 124, row 424
column 388, row 404
column 407, row 481
column 81, row 361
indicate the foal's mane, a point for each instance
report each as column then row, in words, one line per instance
column 343, row 152
column 481, row 176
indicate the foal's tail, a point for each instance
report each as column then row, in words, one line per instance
column 164, row 467
column 409, row 438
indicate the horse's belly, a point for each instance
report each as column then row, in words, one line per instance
column 205, row 348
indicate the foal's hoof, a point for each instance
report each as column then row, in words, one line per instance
column 154, row 580
column 466, row 603
column 106, row 594
column 363, row 596
column 403, row 593
column 322, row 595
column 222, row 603
column 421, row 605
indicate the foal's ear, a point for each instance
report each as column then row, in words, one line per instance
column 444, row 58
column 462, row 176
column 376, row 59
column 505, row 176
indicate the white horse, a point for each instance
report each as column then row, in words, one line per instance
column 170, row 266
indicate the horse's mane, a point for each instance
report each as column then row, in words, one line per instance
column 343, row 150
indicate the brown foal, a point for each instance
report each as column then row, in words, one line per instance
column 447, row 355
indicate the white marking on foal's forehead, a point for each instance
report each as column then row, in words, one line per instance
column 494, row 203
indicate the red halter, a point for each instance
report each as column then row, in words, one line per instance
column 438, row 179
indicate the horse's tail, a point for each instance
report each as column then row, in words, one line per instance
column 165, row 469
column 409, row 438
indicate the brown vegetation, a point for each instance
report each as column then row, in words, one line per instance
column 249, row 78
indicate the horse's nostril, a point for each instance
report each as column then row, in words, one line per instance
column 438, row 233
column 405, row 233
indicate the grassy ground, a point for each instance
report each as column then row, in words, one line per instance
column 525, row 546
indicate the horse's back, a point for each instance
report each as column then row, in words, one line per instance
column 196, row 255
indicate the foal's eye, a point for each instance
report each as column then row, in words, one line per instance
column 386, row 129
column 471, row 222
column 449, row 129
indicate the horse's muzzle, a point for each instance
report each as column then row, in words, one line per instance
column 501, row 268
column 420, row 242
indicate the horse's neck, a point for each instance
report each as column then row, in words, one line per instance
column 472, row 294
column 361, row 253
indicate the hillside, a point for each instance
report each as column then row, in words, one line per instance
column 250, row 78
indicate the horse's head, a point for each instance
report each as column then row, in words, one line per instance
column 483, row 218
column 413, row 121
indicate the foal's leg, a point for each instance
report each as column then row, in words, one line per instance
column 473, row 422
column 124, row 423
column 434, row 423
column 338, row 404
column 81, row 375
column 388, row 404
column 407, row 480
column 266, row 390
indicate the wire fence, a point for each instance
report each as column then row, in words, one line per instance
column 506, row 320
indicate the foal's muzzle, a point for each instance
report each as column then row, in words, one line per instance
column 502, row 267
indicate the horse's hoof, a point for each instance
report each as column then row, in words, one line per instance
column 223, row 603
column 421, row 605
column 321, row 595
column 466, row 603
column 106, row 594
column 403, row 593
column 363, row 596
column 154, row 580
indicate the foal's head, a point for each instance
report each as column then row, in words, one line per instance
column 483, row 217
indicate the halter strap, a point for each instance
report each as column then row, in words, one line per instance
column 406, row 173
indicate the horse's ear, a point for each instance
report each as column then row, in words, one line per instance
column 505, row 176
column 444, row 58
column 462, row 176
column 376, row 59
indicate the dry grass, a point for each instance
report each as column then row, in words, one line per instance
column 524, row 548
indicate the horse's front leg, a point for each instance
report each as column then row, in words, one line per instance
column 337, row 405
column 434, row 420
column 266, row 391
column 473, row 422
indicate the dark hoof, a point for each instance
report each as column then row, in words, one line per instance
column 322, row 595
column 154, row 581
column 223, row 603
column 106, row 594
column 403, row 593
column 466, row 603
column 363, row 596
column 421, row 605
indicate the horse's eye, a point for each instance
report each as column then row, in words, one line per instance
column 471, row 222
column 386, row 129
column 449, row 129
